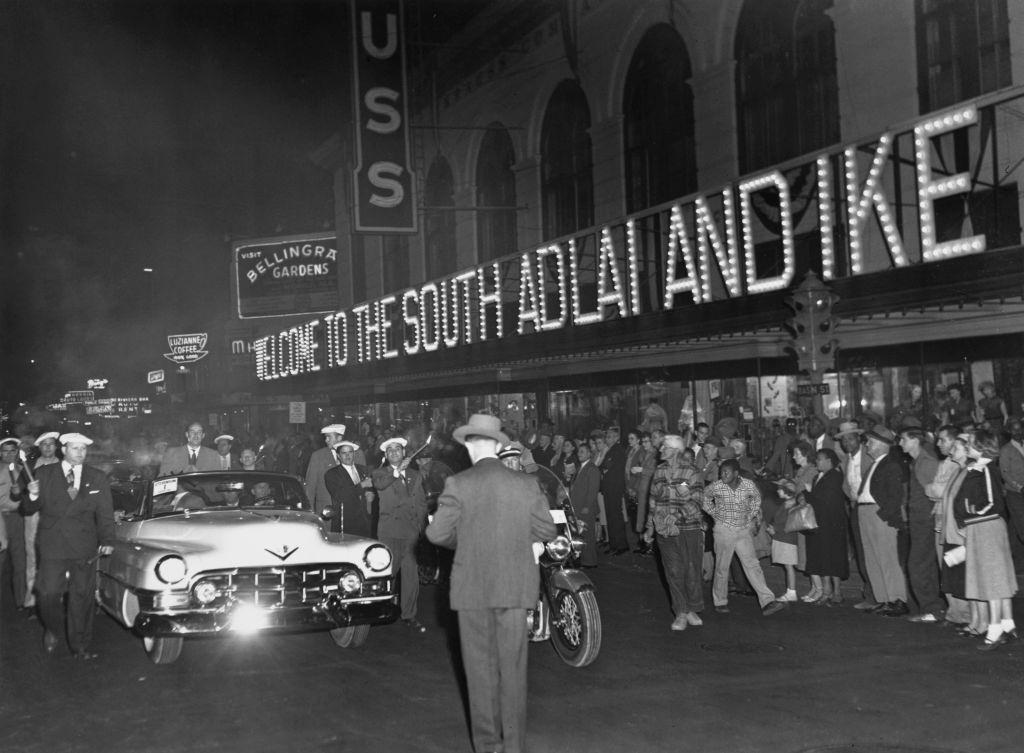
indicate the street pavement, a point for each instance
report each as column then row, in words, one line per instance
column 807, row 679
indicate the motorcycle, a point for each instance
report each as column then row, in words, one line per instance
column 567, row 613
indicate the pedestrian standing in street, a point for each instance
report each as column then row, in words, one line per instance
column 989, row 579
column 784, row 545
column 1011, row 469
column 76, row 525
column 945, row 487
column 492, row 516
column 735, row 505
column 191, row 456
column 12, row 486
column 880, row 507
column 613, row 489
column 855, row 467
column 583, row 493
column 322, row 459
column 247, row 459
column 403, row 513
column 922, row 567
column 828, row 560
column 47, row 444
column 676, row 521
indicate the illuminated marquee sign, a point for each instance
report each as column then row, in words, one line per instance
column 384, row 183
column 286, row 276
column 709, row 247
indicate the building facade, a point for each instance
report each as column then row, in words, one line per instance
column 616, row 199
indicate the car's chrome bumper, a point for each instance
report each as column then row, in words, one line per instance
column 239, row 618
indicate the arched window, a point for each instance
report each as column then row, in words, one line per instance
column 567, row 173
column 963, row 50
column 786, row 93
column 496, row 195
column 661, row 162
column 439, row 220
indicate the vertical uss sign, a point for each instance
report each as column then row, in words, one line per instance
column 384, row 184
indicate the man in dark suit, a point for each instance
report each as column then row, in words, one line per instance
column 583, row 493
column 613, row 489
column 192, row 456
column 492, row 515
column 403, row 513
column 351, row 490
column 880, row 510
column 76, row 525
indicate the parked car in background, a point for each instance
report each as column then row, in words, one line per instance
column 235, row 552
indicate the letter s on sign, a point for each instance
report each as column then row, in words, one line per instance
column 376, row 175
column 375, row 103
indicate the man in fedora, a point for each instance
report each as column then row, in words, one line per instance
column 856, row 465
column 76, row 525
column 881, row 512
column 492, row 515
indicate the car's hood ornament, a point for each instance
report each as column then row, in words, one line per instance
column 284, row 553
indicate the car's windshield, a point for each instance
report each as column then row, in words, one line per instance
column 226, row 490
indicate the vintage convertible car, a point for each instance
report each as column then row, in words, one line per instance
column 233, row 552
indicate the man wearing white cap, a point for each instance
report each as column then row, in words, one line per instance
column 403, row 513
column 76, row 525
column 351, row 490
column 190, row 457
column 12, row 486
column 226, row 461
column 492, row 516
column 47, row 444
column 319, row 462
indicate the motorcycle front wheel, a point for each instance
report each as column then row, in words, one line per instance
column 576, row 627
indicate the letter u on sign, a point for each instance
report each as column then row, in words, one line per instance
column 384, row 183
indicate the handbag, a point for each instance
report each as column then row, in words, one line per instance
column 801, row 518
column 983, row 515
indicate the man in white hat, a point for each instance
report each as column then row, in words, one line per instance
column 351, row 490
column 492, row 515
column 190, row 457
column 226, row 461
column 76, row 526
column 47, row 444
column 12, row 487
column 403, row 513
column 319, row 462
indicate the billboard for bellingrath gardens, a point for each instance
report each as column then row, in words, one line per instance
column 286, row 276
column 910, row 196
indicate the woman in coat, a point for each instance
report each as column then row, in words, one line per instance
column 978, row 509
column 827, row 547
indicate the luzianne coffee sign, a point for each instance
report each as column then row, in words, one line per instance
column 286, row 276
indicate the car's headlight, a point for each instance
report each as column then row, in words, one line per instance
column 558, row 548
column 377, row 558
column 350, row 582
column 171, row 569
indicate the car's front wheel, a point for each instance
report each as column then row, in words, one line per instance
column 163, row 650
column 351, row 636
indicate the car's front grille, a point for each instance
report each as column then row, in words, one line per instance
column 287, row 586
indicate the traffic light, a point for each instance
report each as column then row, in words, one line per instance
column 813, row 326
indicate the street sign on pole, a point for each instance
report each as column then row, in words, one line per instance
column 155, row 377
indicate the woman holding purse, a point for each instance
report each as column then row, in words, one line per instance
column 827, row 547
column 978, row 509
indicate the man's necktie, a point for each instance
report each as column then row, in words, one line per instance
column 193, row 457
column 72, row 491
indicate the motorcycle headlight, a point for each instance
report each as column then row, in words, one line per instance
column 350, row 582
column 558, row 548
column 171, row 569
column 377, row 558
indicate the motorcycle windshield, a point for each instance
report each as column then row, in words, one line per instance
column 557, row 495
